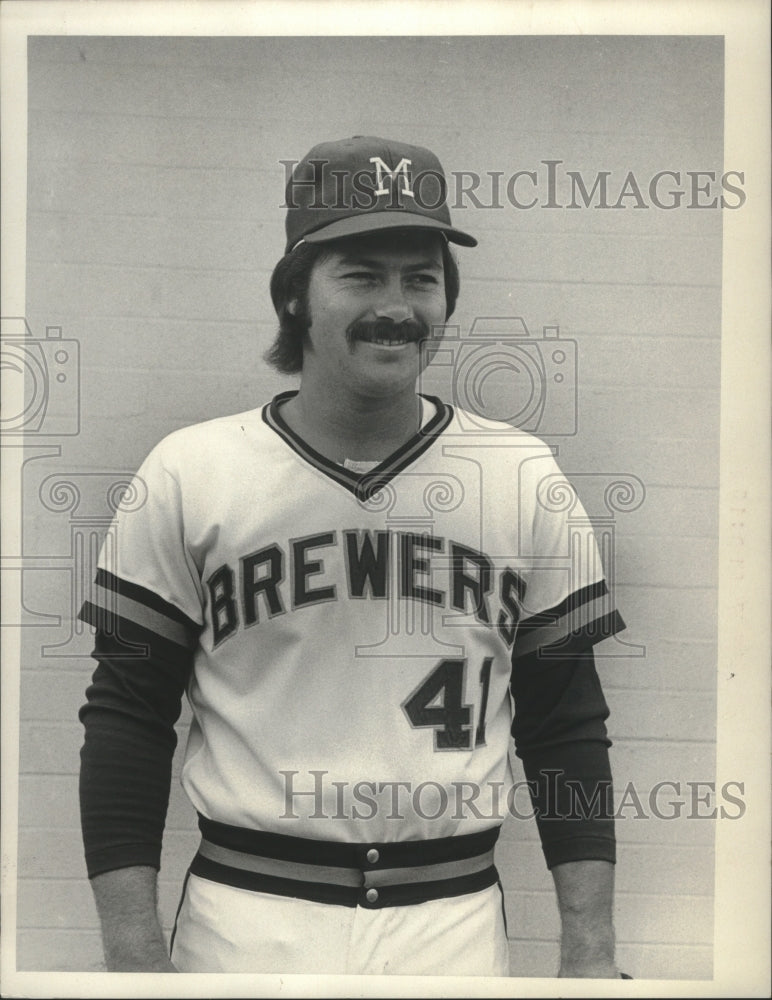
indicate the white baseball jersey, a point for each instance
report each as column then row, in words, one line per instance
column 352, row 635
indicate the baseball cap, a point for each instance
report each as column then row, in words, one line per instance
column 367, row 184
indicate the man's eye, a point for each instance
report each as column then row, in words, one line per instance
column 424, row 279
column 360, row 276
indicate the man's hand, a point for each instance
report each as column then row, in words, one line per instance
column 585, row 891
column 128, row 911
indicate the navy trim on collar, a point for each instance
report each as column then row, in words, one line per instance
column 367, row 485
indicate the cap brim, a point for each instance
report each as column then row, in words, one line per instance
column 373, row 222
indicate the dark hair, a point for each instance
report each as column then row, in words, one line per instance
column 289, row 283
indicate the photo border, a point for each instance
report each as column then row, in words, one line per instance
column 742, row 906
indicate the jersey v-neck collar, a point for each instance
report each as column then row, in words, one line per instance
column 366, row 485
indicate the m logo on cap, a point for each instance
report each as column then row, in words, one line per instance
column 349, row 187
column 383, row 169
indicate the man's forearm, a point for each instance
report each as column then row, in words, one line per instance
column 127, row 903
column 585, row 893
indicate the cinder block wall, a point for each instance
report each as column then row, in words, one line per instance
column 154, row 221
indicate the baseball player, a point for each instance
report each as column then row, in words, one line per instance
column 364, row 592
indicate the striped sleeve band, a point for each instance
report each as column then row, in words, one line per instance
column 580, row 620
column 137, row 617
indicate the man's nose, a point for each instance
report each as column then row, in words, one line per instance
column 393, row 304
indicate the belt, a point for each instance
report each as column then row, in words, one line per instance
column 370, row 875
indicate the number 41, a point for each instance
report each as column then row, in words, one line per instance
column 436, row 703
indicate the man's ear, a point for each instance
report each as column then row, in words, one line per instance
column 292, row 307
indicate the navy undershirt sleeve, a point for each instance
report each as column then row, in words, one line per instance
column 132, row 705
column 560, row 735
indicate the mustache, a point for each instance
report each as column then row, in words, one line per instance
column 386, row 329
